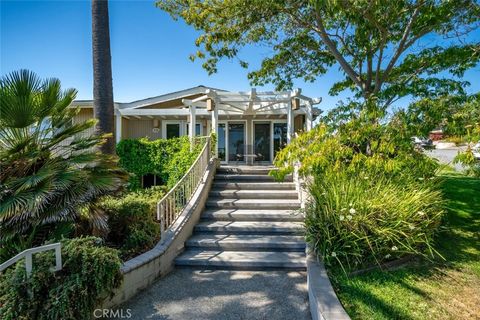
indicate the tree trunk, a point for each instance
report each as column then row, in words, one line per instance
column 102, row 74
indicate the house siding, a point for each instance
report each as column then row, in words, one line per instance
column 140, row 128
column 84, row 115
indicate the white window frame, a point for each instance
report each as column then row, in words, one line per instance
column 272, row 140
column 180, row 123
column 187, row 124
column 245, row 133
column 272, row 123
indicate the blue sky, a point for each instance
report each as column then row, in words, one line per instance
column 149, row 51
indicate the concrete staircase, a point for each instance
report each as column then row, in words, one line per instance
column 250, row 222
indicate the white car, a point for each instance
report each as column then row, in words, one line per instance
column 422, row 142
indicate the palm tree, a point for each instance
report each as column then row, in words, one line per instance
column 51, row 170
column 102, row 74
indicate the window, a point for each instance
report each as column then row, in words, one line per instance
column 221, row 142
column 172, row 130
column 279, row 137
column 198, row 127
column 150, row 180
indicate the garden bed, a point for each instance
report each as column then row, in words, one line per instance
column 439, row 289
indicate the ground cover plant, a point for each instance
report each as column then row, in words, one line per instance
column 359, row 221
column 90, row 272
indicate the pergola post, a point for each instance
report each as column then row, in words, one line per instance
column 289, row 121
column 215, row 124
column 309, row 117
column 193, row 126
column 118, row 128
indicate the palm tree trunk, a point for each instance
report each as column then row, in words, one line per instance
column 102, row 74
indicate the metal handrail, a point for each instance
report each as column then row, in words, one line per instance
column 172, row 204
column 28, row 257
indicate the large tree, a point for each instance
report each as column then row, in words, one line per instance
column 102, row 74
column 386, row 49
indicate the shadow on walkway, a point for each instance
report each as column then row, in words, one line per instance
column 194, row 294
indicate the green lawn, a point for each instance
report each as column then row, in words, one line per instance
column 428, row 290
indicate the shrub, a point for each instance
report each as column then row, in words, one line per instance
column 467, row 159
column 372, row 170
column 355, row 221
column 458, row 140
column 319, row 150
column 50, row 167
column 90, row 272
column 169, row 159
column 132, row 220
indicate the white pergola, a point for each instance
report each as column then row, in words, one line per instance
column 214, row 103
column 251, row 103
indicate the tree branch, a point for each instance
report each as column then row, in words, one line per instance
column 368, row 85
column 333, row 49
column 378, row 85
column 401, row 46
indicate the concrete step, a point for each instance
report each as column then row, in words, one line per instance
column 246, row 242
column 250, row 227
column 254, row 185
column 262, row 170
column 248, row 260
column 252, row 215
column 254, row 194
column 281, row 204
column 247, row 177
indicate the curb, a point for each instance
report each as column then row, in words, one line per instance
column 324, row 304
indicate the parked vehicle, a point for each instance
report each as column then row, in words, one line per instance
column 423, row 143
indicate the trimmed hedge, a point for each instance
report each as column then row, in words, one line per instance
column 90, row 273
column 169, row 159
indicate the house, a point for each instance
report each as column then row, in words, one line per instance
column 251, row 126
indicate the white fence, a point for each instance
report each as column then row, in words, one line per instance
column 27, row 254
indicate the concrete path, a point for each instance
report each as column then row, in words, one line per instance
column 446, row 156
column 220, row 294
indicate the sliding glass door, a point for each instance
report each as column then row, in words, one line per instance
column 261, row 141
column 222, row 143
column 279, row 137
column 236, row 141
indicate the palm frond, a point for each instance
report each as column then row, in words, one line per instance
column 51, row 168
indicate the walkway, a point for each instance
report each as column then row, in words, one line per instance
column 195, row 294
column 250, row 223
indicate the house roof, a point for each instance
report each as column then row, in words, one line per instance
column 152, row 100
column 230, row 103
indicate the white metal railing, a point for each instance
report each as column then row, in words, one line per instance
column 172, row 204
column 28, row 257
